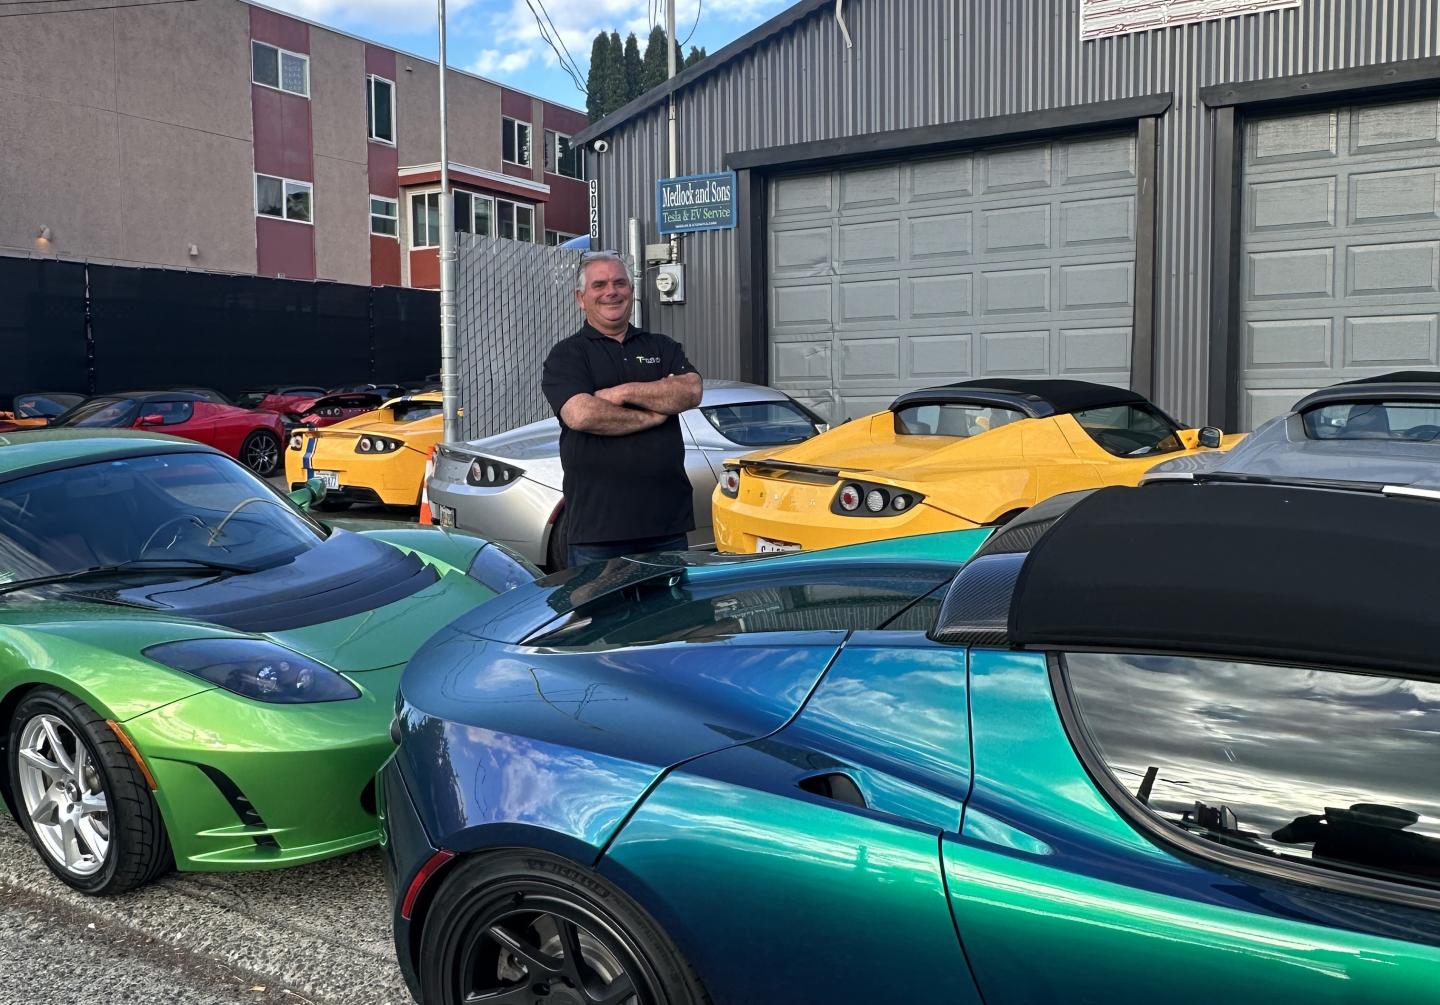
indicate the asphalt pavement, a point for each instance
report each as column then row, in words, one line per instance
column 316, row 934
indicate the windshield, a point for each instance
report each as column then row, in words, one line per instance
column 193, row 507
column 760, row 423
column 959, row 420
column 1130, row 430
column 101, row 413
column 32, row 406
column 1375, row 420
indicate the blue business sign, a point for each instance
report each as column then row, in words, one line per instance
column 696, row 202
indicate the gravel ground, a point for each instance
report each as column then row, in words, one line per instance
column 318, row 933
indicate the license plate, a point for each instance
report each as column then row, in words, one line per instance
column 446, row 515
column 765, row 546
column 330, row 479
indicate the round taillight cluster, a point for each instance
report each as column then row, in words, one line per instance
column 850, row 498
column 730, row 482
column 877, row 500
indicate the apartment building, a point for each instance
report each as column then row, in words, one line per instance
column 226, row 136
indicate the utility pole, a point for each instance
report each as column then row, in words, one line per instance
column 449, row 355
column 670, row 62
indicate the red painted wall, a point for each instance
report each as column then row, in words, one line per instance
column 568, row 208
column 385, row 261
column 284, row 148
column 425, row 268
column 515, row 104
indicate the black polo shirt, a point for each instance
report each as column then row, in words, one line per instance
column 618, row 488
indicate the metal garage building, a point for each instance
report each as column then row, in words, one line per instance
column 1223, row 212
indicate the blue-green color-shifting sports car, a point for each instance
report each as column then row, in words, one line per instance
column 1167, row 744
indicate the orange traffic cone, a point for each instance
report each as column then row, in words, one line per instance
column 426, row 517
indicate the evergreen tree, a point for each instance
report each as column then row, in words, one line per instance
column 695, row 56
column 595, row 81
column 615, row 88
column 632, row 68
column 654, row 69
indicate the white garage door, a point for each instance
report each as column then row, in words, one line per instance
column 1340, row 275
column 1016, row 261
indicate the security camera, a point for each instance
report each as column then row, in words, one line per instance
column 600, row 146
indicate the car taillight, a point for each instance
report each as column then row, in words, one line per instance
column 377, row 445
column 730, row 482
column 900, row 503
column 850, row 498
column 297, row 441
column 485, row 473
column 876, row 500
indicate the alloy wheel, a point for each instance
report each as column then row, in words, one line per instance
column 63, row 793
column 531, row 950
column 262, row 454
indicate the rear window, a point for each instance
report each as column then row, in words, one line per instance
column 656, row 612
column 413, row 411
column 1375, row 420
column 1130, row 430
column 958, row 420
column 760, row 423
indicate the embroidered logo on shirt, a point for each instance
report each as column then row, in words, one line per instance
column 647, row 359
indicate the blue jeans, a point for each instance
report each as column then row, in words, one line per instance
column 581, row 554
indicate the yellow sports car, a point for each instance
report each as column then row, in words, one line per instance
column 965, row 455
column 375, row 457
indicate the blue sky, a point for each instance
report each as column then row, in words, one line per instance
column 501, row 39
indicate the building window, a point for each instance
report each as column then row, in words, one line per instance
column 1325, row 770
column 554, row 238
column 280, row 69
column 384, row 216
column 515, row 141
column 561, row 155
column 380, row 109
column 516, row 220
column 283, row 198
column 425, row 220
column 474, row 214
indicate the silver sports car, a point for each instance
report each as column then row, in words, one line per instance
column 507, row 487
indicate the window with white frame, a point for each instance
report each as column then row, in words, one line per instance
column 515, row 141
column 561, row 155
column 516, row 220
column 384, row 216
column 554, row 238
column 425, row 220
column 474, row 213
column 380, row 108
column 283, row 198
column 280, row 68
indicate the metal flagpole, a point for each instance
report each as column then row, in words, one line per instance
column 449, row 355
column 670, row 64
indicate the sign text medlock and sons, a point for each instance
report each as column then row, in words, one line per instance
column 696, row 202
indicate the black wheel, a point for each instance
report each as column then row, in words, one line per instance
column 557, row 552
column 530, row 927
column 82, row 800
column 261, row 452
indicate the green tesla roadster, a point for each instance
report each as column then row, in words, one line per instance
column 194, row 672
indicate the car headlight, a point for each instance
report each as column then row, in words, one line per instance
column 297, row 441
column 730, row 482
column 497, row 567
column 485, row 473
column 377, row 445
column 866, row 499
column 254, row 668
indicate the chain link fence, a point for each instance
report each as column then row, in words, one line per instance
column 515, row 301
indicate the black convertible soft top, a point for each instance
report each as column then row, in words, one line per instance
column 1035, row 398
column 1402, row 385
column 1272, row 573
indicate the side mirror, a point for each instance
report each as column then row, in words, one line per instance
column 1210, row 436
column 308, row 494
column 152, row 420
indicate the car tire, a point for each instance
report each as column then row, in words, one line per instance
column 261, row 452
column 98, row 852
column 518, row 918
column 557, row 550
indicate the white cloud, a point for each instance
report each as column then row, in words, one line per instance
column 493, row 61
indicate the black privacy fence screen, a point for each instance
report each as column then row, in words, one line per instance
column 89, row 329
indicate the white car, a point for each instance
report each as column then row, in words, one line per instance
column 507, row 488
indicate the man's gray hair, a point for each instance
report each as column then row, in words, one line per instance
column 589, row 258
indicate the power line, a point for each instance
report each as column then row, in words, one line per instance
column 572, row 73
column 77, row 10
column 698, row 5
column 560, row 38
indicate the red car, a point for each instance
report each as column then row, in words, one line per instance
column 252, row 437
column 334, row 408
column 281, row 398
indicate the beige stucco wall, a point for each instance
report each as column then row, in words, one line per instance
column 474, row 116
column 128, row 134
column 340, row 142
column 474, row 122
column 342, row 220
column 417, row 123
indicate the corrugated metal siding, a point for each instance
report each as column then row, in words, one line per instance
column 924, row 62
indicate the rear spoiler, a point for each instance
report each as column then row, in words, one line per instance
column 809, row 469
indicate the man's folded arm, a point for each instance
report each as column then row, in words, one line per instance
column 669, row 395
column 588, row 413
